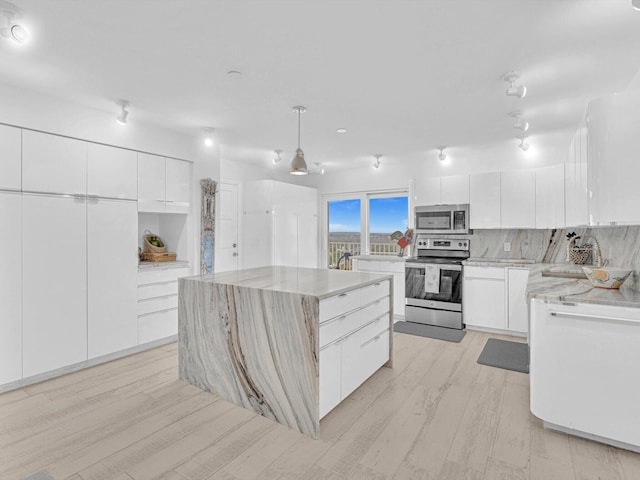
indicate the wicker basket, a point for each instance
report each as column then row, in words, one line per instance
column 148, row 248
column 579, row 254
column 157, row 257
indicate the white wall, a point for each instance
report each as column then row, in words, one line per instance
column 29, row 109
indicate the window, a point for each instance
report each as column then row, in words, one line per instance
column 367, row 222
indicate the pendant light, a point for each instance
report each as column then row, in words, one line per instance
column 298, row 165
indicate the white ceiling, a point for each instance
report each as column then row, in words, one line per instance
column 402, row 76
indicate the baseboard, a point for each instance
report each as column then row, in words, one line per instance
column 497, row 331
column 590, row 436
column 41, row 377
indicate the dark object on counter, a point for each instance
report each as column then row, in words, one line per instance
column 345, row 256
column 506, row 355
column 430, row 331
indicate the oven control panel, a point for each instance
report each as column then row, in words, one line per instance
column 424, row 242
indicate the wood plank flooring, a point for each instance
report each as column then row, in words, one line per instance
column 436, row 415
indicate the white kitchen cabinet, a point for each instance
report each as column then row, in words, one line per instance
column 53, row 164
column 178, row 181
column 54, row 300
column 11, row 287
column 583, row 370
column 330, row 377
column 454, row 189
column 518, row 199
column 112, row 231
column 427, row 191
column 517, row 311
column 394, row 267
column 550, row 205
column 576, row 189
column 279, row 225
column 484, row 199
column 613, row 171
column 11, row 159
column 151, row 183
column 484, row 297
column 112, row 172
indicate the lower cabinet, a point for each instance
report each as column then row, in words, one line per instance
column 354, row 341
column 158, row 302
column 517, row 311
column 394, row 267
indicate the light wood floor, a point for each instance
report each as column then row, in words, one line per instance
column 436, row 415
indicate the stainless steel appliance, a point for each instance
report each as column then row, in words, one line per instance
column 442, row 219
column 433, row 281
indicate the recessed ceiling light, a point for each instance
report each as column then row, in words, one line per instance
column 234, row 74
column 341, row 130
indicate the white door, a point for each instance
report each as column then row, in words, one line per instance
column 53, row 164
column 112, row 172
column 151, row 183
column 54, row 269
column 11, row 158
column 227, row 247
column 112, row 228
column 178, row 175
column 11, row 287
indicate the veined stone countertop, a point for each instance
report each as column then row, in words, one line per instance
column 382, row 258
column 564, row 289
column 174, row 264
column 315, row 282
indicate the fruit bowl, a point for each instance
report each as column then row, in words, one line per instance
column 606, row 277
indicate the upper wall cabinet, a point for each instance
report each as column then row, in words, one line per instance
column 613, row 124
column 10, row 167
column 454, row 189
column 427, row 191
column 112, row 172
column 178, row 180
column 163, row 184
column 484, row 199
column 53, row 164
column 550, row 197
column 575, row 180
column 518, row 199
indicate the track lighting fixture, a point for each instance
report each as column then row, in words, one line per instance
column 208, row 136
column 524, row 146
column 376, row 164
column 514, row 90
column 13, row 30
column 442, row 156
column 320, row 169
column 519, row 123
column 277, row 158
column 298, row 165
column 121, row 118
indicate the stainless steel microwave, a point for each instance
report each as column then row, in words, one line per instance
column 442, row 219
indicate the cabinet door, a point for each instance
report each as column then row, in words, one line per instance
column 178, row 175
column 518, row 199
column 330, row 378
column 308, row 240
column 484, row 199
column 398, row 295
column 427, row 191
column 550, row 204
column 454, row 189
column 151, row 183
column 285, row 239
column 54, row 300
column 112, row 229
column 11, row 287
column 112, row 172
column 517, row 314
column 11, row 158
column 53, row 164
column 483, row 303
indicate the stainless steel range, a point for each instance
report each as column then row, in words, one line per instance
column 433, row 281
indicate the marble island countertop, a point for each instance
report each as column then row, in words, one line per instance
column 320, row 283
column 560, row 289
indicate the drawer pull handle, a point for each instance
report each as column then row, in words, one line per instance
column 342, row 295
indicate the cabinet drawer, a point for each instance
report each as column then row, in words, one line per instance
column 392, row 267
column 484, row 272
column 374, row 310
column 157, row 325
column 375, row 291
column 371, row 328
column 157, row 304
column 362, row 356
column 369, row 265
column 159, row 275
column 337, row 327
column 153, row 290
column 338, row 305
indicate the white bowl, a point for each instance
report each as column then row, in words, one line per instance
column 606, row 277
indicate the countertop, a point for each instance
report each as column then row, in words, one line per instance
column 382, row 258
column 557, row 289
column 321, row 283
column 175, row 264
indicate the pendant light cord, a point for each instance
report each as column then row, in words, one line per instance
column 298, row 128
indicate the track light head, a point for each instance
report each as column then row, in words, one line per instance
column 524, row 146
column 514, row 90
column 208, row 136
column 442, row 156
column 376, row 164
column 277, row 158
column 13, row 30
column 635, row 4
column 518, row 122
column 121, row 118
column 319, row 167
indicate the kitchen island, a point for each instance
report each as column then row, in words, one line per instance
column 287, row 343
